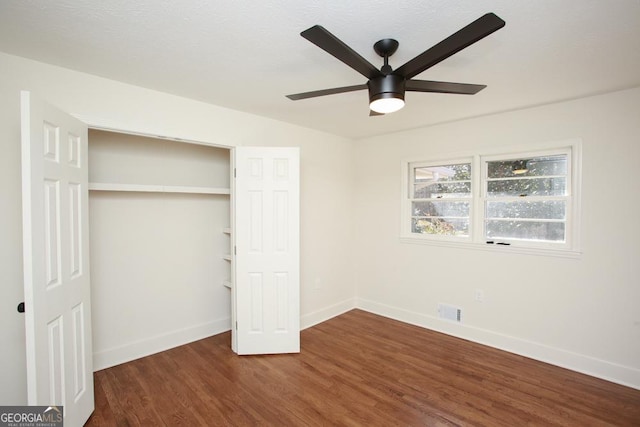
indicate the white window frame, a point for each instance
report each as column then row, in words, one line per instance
column 410, row 198
column 571, row 248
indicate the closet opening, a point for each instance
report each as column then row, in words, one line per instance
column 160, row 218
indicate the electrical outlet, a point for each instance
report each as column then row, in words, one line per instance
column 479, row 296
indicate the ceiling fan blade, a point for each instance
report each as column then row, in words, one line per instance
column 335, row 47
column 443, row 87
column 323, row 92
column 375, row 113
column 477, row 30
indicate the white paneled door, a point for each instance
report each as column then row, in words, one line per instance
column 267, row 239
column 56, row 260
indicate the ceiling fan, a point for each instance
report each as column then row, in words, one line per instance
column 387, row 86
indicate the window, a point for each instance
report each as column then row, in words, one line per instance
column 441, row 199
column 525, row 201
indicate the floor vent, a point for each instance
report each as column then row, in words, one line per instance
column 450, row 312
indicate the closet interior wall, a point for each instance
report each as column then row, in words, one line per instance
column 158, row 211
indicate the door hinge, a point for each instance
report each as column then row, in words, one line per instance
column 236, row 325
column 235, row 250
column 234, row 172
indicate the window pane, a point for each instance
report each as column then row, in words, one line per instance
column 442, row 181
column 441, row 209
column 527, row 187
column 442, row 226
column 548, row 209
column 442, row 190
column 533, row 166
column 526, row 230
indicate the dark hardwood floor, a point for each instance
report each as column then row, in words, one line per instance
column 357, row 369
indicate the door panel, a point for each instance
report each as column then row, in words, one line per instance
column 267, row 238
column 56, row 260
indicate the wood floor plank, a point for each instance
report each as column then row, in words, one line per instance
column 357, row 369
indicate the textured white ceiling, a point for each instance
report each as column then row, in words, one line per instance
column 248, row 55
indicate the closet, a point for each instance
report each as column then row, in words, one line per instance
column 164, row 251
column 159, row 215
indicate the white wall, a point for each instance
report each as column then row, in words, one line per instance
column 582, row 314
column 12, row 357
column 326, row 192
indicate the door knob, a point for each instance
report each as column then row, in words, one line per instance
column 21, row 307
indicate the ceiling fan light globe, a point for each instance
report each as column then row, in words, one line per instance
column 386, row 105
column 386, row 93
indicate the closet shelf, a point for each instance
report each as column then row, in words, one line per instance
column 227, row 284
column 101, row 186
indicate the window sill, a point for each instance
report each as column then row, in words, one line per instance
column 511, row 249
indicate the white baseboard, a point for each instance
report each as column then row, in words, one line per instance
column 598, row 368
column 619, row 374
column 126, row 353
column 308, row 320
column 115, row 356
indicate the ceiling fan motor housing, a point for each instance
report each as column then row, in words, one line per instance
column 389, row 86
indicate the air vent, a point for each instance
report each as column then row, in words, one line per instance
column 450, row 312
